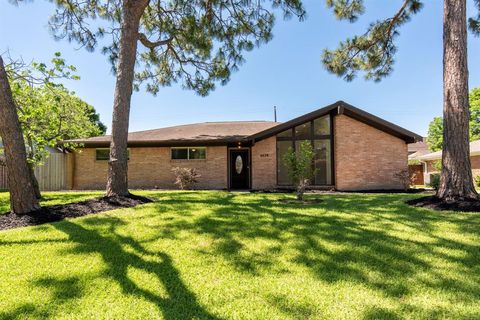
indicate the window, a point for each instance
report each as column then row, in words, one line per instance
column 322, row 126
column 317, row 132
column 282, row 171
column 323, row 172
column 303, row 132
column 190, row 153
column 103, row 154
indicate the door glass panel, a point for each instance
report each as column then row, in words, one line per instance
column 239, row 164
column 282, row 170
column 322, row 126
column 323, row 172
column 303, row 131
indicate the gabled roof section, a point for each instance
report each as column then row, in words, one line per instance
column 341, row 107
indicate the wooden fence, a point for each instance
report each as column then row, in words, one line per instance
column 51, row 176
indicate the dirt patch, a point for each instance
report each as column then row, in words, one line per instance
column 304, row 202
column 432, row 202
column 69, row 210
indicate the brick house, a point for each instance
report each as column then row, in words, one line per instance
column 248, row 154
column 431, row 161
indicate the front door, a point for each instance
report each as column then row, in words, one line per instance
column 239, row 169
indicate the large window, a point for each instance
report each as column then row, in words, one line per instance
column 318, row 133
column 190, row 153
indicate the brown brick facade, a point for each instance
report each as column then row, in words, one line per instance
column 264, row 164
column 365, row 157
column 431, row 168
column 151, row 168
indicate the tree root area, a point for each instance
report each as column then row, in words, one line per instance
column 432, row 202
column 69, row 210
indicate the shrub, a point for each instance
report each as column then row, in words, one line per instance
column 300, row 166
column 185, row 178
column 404, row 177
column 477, row 181
column 435, row 181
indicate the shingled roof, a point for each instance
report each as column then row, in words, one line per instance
column 189, row 134
column 221, row 133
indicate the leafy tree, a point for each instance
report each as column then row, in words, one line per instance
column 435, row 128
column 300, row 166
column 48, row 114
column 195, row 42
column 373, row 52
column 20, row 180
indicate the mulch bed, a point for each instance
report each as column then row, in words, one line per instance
column 69, row 210
column 432, row 202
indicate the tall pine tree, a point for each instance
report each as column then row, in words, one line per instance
column 195, row 42
column 373, row 54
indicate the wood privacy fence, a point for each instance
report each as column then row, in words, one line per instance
column 51, row 176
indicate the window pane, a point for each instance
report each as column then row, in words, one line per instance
column 322, row 126
column 102, row 154
column 197, row 153
column 298, row 143
column 179, row 153
column 323, row 173
column 303, row 131
column 285, row 134
column 282, row 171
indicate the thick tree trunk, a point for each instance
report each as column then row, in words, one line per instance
column 22, row 193
column 117, row 182
column 456, row 182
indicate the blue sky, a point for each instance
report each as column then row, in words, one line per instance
column 286, row 72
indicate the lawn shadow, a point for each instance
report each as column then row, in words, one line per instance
column 354, row 238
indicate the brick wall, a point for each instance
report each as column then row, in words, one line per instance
column 150, row 168
column 264, row 164
column 474, row 161
column 365, row 157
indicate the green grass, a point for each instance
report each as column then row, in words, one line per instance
column 218, row 255
column 52, row 198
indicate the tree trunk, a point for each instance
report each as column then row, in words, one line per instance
column 36, row 186
column 117, row 182
column 456, row 182
column 22, row 193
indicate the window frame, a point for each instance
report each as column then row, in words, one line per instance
column 188, row 153
column 312, row 139
column 106, row 160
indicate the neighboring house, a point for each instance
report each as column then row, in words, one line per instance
column 428, row 160
column 354, row 151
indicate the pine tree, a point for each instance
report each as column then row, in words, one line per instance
column 373, row 54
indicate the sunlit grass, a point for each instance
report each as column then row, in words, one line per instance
column 218, row 255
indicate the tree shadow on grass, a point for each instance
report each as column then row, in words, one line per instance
column 365, row 239
column 181, row 303
column 178, row 302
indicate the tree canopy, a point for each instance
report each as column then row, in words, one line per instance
column 194, row 42
column 435, row 128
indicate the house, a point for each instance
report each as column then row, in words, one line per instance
column 354, row 151
column 415, row 168
column 431, row 161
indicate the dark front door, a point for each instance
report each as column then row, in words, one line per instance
column 239, row 169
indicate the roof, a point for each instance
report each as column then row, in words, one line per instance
column 220, row 133
column 190, row 134
column 474, row 151
column 341, row 107
column 417, row 149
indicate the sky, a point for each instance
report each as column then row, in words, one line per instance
column 286, row 72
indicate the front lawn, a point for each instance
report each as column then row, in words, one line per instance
column 219, row 255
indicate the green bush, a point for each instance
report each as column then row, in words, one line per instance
column 477, row 181
column 435, row 181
